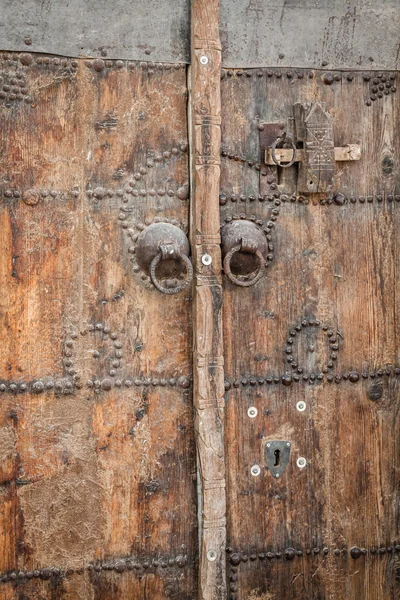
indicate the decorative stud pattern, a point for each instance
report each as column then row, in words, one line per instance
column 287, row 379
column 380, row 85
column 236, row 557
column 14, row 68
column 13, row 86
column 73, row 380
column 333, row 341
column 103, row 65
column 288, row 74
column 33, row 196
column 274, row 556
column 135, row 188
column 337, row 199
column 119, row 566
column 329, row 372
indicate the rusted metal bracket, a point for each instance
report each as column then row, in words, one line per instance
column 310, row 144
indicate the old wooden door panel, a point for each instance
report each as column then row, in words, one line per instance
column 314, row 347
column 96, row 422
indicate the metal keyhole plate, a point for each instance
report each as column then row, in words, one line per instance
column 277, row 457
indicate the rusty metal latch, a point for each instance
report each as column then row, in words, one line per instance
column 311, row 145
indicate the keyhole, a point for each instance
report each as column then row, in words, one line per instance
column 277, row 455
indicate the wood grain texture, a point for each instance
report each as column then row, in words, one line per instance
column 207, row 300
column 96, row 438
column 335, row 263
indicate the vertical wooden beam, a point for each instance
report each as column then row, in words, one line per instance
column 205, row 117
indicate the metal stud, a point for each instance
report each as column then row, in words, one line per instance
column 252, row 412
column 211, row 555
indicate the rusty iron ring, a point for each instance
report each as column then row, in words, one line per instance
column 235, row 280
column 274, row 146
column 179, row 288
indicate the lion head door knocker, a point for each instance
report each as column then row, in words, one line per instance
column 162, row 252
column 246, row 251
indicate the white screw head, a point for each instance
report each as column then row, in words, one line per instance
column 277, row 475
column 206, row 259
column 288, row 444
column 204, row 60
column 211, row 555
column 301, row 406
column 301, row 462
column 268, row 445
column 252, row 412
column 255, row 470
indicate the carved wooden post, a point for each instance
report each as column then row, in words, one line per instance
column 207, row 306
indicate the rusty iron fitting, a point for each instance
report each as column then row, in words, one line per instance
column 245, row 250
column 162, row 252
column 283, row 141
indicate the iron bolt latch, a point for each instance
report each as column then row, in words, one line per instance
column 311, row 145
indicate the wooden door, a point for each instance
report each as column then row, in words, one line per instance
column 311, row 351
column 234, row 438
column 98, row 473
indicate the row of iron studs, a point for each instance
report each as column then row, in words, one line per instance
column 120, row 566
column 66, row 386
column 334, row 199
column 26, row 59
column 380, row 84
column 235, row 558
column 288, row 379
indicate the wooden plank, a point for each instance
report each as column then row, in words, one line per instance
column 207, row 310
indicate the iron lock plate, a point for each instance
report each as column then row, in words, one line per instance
column 277, row 455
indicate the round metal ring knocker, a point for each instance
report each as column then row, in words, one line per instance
column 162, row 252
column 167, row 252
column 284, row 139
column 244, row 251
column 233, row 278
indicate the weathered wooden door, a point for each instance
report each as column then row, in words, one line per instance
column 234, row 438
column 98, row 490
column 312, row 350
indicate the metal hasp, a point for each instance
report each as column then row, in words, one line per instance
column 162, row 252
column 244, row 251
column 277, row 455
column 311, row 145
